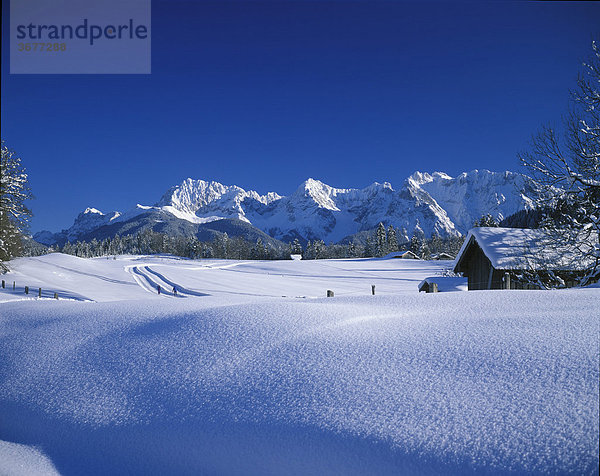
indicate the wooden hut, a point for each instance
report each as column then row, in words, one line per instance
column 498, row 258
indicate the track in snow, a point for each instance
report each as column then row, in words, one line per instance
column 149, row 279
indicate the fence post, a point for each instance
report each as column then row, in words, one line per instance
column 26, row 289
column 373, row 289
column 40, row 292
column 2, row 284
column 55, row 295
column 506, row 280
column 329, row 293
column 14, row 285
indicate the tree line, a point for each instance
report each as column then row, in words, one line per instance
column 147, row 242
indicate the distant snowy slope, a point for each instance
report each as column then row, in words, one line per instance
column 427, row 203
column 87, row 221
column 469, row 196
column 199, row 201
column 102, row 279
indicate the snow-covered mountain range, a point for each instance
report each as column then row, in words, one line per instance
column 428, row 203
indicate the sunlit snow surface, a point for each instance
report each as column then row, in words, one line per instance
column 229, row 377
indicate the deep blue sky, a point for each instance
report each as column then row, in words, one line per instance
column 265, row 95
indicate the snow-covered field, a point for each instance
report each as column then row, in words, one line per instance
column 251, row 370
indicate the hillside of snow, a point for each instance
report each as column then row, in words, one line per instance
column 435, row 203
column 249, row 370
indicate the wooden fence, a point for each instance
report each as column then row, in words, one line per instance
column 26, row 289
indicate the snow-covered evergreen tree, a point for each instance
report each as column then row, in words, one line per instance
column 436, row 243
column 424, row 251
column 486, row 220
column 416, row 244
column 296, row 247
column 207, row 252
column 392, row 240
column 370, row 246
column 319, row 248
column 380, row 240
column 222, row 246
column 14, row 215
column 258, row 250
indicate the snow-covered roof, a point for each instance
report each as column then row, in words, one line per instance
column 401, row 254
column 524, row 249
column 446, row 283
column 442, row 256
